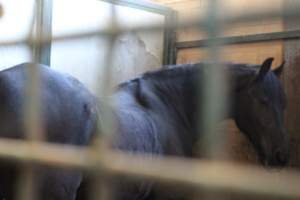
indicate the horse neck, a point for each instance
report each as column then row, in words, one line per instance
column 174, row 93
column 194, row 96
column 239, row 78
column 178, row 91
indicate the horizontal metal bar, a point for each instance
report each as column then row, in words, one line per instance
column 47, row 153
column 206, row 174
column 188, row 172
column 142, row 5
column 227, row 20
column 262, row 37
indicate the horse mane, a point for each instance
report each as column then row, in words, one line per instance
column 170, row 73
column 171, row 79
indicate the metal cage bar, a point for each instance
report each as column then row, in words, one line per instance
column 198, row 174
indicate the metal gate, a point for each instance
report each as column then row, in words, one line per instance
column 99, row 160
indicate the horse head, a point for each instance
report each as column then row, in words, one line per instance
column 259, row 113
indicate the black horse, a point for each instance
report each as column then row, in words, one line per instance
column 156, row 114
column 69, row 114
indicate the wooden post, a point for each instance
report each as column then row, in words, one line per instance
column 291, row 80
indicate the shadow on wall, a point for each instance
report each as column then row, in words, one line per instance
column 291, row 84
column 132, row 57
column 238, row 147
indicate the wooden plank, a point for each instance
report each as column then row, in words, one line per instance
column 291, row 80
column 190, row 9
column 263, row 37
column 246, row 53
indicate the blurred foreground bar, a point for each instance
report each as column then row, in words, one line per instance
column 1, row 10
column 187, row 172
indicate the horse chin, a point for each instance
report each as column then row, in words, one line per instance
column 269, row 164
column 264, row 162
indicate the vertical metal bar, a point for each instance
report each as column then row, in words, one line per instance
column 106, row 121
column 1, row 10
column 32, row 105
column 33, row 124
column 169, row 50
column 26, row 184
column 42, row 51
column 214, row 91
column 214, row 86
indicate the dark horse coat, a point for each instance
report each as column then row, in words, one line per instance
column 69, row 114
column 156, row 114
column 157, row 111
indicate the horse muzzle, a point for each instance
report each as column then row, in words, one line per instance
column 279, row 159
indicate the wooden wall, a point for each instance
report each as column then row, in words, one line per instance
column 250, row 53
column 238, row 146
column 291, row 81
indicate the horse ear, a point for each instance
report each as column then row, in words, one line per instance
column 264, row 69
column 278, row 70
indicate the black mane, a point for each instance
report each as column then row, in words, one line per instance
column 175, row 80
column 183, row 71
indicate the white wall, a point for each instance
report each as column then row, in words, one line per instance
column 134, row 52
column 15, row 25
